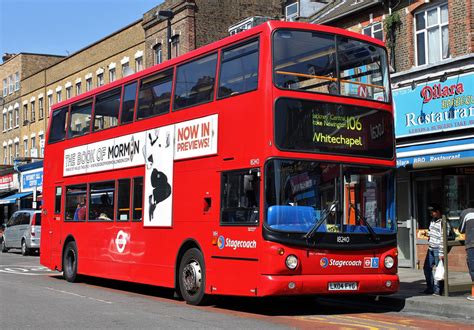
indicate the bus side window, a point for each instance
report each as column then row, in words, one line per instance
column 58, row 125
column 57, row 200
column 123, row 200
column 155, row 95
column 128, row 103
column 240, row 197
column 101, row 201
column 239, row 70
column 195, row 82
column 106, row 109
column 80, row 120
column 137, row 199
column 76, row 203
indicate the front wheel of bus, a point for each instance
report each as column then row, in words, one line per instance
column 70, row 262
column 192, row 277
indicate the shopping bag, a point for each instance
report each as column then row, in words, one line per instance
column 439, row 272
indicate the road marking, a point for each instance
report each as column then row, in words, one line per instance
column 25, row 270
column 80, row 296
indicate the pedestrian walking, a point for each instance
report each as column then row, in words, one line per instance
column 435, row 251
column 467, row 228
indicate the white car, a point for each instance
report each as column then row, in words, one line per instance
column 23, row 231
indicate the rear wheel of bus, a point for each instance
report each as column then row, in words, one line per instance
column 70, row 262
column 192, row 277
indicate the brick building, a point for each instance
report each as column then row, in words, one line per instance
column 430, row 47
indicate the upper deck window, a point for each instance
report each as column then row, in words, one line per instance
column 155, row 95
column 106, row 109
column 128, row 104
column 239, row 69
column 58, row 125
column 323, row 63
column 195, row 82
column 80, row 120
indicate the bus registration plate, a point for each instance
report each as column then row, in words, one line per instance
column 342, row 286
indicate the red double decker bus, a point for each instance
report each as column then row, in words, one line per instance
column 259, row 165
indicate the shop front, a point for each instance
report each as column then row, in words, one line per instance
column 31, row 182
column 8, row 187
column 435, row 160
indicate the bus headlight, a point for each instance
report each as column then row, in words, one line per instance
column 389, row 262
column 291, row 261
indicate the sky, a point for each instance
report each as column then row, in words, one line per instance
column 62, row 27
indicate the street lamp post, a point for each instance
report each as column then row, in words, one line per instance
column 168, row 15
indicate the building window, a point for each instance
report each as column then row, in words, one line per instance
column 58, row 96
column 11, row 84
column 33, row 112
column 40, row 108
column 78, row 88
column 5, row 156
column 374, row 31
column 10, row 152
column 4, row 121
column 100, row 79
column 25, row 147
column 17, row 81
column 112, row 76
column 175, row 45
column 34, row 152
column 41, row 141
column 125, row 68
column 5, row 87
column 68, row 93
column 138, row 64
column 25, row 114
column 88, row 84
column 10, row 117
column 17, row 149
column 432, row 35
column 50, row 101
column 17, row 117
column 157, row 54
column 291, row 12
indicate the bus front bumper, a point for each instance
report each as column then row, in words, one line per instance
column 276, row 285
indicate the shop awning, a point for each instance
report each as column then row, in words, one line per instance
column 12, row 198
column 447, row 153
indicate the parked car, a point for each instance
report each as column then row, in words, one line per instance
column 23, row 231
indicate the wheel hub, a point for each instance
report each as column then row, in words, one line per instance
column 192, row 276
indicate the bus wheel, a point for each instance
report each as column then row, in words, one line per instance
column 192, row 277
column 70, row 262
column 24, row 249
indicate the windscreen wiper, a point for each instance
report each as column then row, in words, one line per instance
column 374, row 236
column 315, row 227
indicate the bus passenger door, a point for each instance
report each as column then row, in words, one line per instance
column 55, row 219
column 235, row 257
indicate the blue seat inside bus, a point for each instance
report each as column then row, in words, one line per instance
column 293, row 218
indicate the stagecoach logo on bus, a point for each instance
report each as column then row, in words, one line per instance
column 223, row 242
column 325, row 262
column 156, row 149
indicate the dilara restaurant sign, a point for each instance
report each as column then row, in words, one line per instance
column 434, row 106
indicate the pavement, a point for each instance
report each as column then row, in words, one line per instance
column 410, row 298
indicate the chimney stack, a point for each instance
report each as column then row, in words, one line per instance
column 7, row 56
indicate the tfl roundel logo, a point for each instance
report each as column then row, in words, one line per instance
column 221, row 242
column 324, row 262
